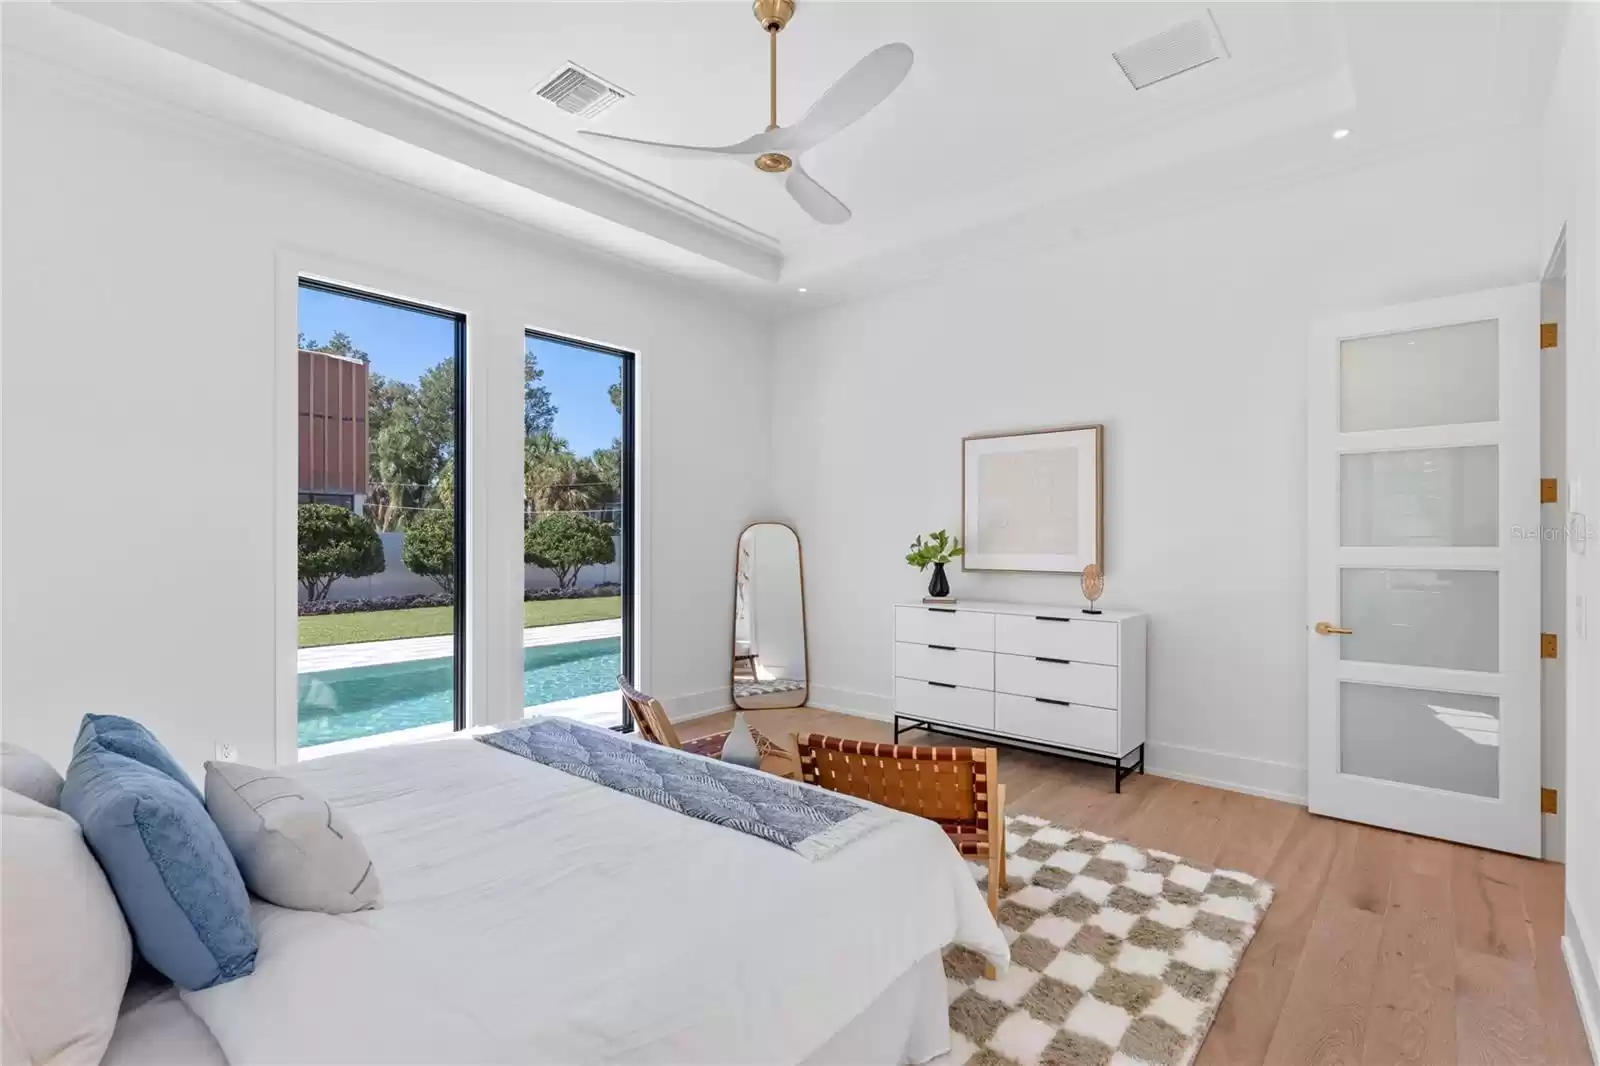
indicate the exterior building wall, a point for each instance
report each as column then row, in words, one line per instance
column 333, row 424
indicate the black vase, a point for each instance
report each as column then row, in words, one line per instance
column 939, row 587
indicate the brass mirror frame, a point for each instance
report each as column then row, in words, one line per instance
column 733, row 628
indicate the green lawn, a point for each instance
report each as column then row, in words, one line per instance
column 318, row 630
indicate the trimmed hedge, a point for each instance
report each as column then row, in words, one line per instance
column 440, row 599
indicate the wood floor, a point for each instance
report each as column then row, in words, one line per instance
column 1379, row 947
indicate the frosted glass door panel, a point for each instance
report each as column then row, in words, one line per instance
column 1445, row 618
column 1425, row 497
column 1443, row 740
column 1424, row 377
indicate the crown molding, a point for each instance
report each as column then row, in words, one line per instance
column 252, row 43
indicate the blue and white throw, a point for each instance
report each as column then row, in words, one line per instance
column 811, row 822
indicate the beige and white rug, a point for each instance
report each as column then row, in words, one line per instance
column 1119, row 955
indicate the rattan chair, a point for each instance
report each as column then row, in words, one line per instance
column 653, row 724
column 957, row 787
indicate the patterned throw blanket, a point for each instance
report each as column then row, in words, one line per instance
column 810, row 822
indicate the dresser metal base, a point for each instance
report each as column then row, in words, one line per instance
column 1121, row 767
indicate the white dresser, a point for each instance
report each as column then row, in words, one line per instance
column 1042, row 676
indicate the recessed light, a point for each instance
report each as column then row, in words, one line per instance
column 1340, row 135
column 800, row 290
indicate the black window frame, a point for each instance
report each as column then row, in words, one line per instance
column 630, row 512
column 458, row 611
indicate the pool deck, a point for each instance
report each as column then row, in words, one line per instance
column 411, row 649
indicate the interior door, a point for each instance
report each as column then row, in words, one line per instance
column 1423, row 564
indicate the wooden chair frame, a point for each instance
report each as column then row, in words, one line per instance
column 959, row 788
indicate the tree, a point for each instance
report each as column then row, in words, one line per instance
column 430, row 547
column 335, row 542
column 564, row 543
column 538, row 410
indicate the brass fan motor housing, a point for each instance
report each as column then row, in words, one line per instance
column 773, row 162
column 773, row 14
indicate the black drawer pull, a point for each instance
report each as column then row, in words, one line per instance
column 941, row 684
column 1047, row 659
column 942, row 610
column 1058, row 703
column 1049, row 618
column 942, row 647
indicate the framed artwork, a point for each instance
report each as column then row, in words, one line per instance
column 1034, row 500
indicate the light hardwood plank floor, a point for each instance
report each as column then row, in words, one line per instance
column 1380, row 947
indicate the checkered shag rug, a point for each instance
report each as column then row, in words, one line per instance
column 1119, row 955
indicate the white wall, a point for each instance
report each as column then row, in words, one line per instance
column 1570, row 198
column 1187, row 339
column 145, row 303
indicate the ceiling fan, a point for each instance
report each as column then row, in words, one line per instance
column 777, row 149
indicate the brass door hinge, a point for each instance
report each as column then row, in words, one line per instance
column 1547, row 490
column 1547, row 335
column 1547, row 801
column 1547, row 645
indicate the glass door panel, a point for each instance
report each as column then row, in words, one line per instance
column 1441, row 618
column 1424, row 497
column 1424, row 377
column 1443, row 740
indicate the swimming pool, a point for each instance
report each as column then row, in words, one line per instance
column 362, row 701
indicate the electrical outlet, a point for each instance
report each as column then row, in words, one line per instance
column 226, row 752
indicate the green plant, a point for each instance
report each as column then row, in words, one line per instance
column 430, row 547
column 938, row 549
column 335, row 542
column 565, row 542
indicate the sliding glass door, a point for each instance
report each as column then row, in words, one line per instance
column 381, row 517
column 578, row 528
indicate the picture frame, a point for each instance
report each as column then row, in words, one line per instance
column 1034, row 500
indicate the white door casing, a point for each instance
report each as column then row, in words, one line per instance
column 1423, row 538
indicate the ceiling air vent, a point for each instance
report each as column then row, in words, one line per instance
column 1172, row 51
column 579, row 92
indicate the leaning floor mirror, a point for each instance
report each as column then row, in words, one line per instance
column 769, row 619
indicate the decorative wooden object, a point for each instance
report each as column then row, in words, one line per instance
column 1093, row 583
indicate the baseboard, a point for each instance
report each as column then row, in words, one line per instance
column 697, row 705
column 844, row 701
column 1236, row 773
column 1581, row 972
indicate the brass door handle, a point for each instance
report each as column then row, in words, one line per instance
column 1328, row 629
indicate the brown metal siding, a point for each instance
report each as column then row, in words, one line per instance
column 333, row 423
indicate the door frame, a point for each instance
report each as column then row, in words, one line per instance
column 1511, row 821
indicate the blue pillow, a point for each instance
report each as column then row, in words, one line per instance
column 165, row 858
column 126, row 737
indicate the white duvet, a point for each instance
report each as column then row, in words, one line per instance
column 530, row 916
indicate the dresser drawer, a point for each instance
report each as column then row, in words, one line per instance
column 944, row 625
column 1067, row 682
column 1064, row 636
column 953, row 666
column 1078, row 726
column 954, row 706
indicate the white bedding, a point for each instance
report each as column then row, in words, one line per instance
column 531, row 916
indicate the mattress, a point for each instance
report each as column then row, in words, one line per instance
column 531, row 916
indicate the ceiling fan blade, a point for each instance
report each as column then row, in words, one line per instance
column 863, row 87
column 818, row 202
column 769, row 141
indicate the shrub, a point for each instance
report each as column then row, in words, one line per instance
column 335, row 542
column 565, row 542
column 430, row 548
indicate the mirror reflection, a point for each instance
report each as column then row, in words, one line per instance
column 769, row 619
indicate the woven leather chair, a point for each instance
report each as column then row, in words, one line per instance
column 957, row 787
column 653, row 724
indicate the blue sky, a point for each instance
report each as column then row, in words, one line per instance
column 404, row 344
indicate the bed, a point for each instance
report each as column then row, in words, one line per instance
column 531, row 916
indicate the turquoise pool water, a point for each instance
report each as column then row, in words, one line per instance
column 362, row 701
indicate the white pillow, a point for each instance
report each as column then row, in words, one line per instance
column 292, row 848
column 67, row 950
column 28, row 774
